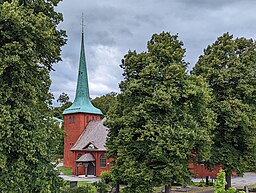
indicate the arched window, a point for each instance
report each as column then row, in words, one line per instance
column 102, row 161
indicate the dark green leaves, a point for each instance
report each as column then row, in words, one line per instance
column 29, row 45
column 160, row 118
column 228, row 65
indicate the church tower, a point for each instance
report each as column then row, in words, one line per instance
column 80, row 113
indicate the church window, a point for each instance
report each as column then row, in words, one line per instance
column 93, row 118
column 71, row 119
column 102, row 161
column 87, row 119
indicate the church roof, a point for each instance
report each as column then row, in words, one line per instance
column 82, row 102
column 93, row 137
column 86, row 158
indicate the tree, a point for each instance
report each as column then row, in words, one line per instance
column 105, row 102
column 29, row 45
column 64, row 102
column 160, row 118
column 63, row 98
column 228, row 65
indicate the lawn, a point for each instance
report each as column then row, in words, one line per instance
column 82, row 183
column 252, row 186
column 64, row 170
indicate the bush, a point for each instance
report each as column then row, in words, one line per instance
column 220, row 183
column 102, row 187
column 88, row 188
column 106, row 177
column 201, row 183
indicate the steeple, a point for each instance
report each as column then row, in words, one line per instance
column 82, row 102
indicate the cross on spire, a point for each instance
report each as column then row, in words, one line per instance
column 82, row 22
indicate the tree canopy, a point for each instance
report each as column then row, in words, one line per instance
column 29, row 45
column 64, row 103
column 229, row 67
column 160, row 119
column 105, row 102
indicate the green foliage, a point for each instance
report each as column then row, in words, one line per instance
column 29, row 45
column 63, row 98
column 102, row 187
column 252, row 186
column 159, row 119
column 220, row 183
column 201, row 183
column 106, row 176
column 228, row 66
column 64, row 103
column 86, row 188
column 105, row 102
column 105, row 183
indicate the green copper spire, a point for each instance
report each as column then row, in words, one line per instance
column 82, row 102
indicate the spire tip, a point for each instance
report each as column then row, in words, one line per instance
column 82, row 22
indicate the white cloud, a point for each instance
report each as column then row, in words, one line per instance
column 113, row 27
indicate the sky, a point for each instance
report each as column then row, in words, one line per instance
column 113, row 27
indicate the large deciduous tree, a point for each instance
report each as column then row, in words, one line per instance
column 29, row 45
column 105, row 102
column 160, row 119
column 229, row 67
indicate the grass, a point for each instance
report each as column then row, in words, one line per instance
column 200, row 189
column 64, row 170
column 157, row 189
column 82, row 183
column 252, row 186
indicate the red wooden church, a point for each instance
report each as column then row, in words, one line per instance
column 84, row 143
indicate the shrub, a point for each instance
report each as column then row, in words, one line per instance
column 102, row 187
column 106, row 177
column 201, row 183
column 88, row 188
column 220, row 184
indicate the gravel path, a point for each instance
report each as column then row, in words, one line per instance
column 248, row 179
column 80, row 178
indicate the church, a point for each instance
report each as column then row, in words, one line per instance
column 84, row 143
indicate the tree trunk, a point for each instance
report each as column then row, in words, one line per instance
column 117, row 186
column 228, row 180
column 167, row 188
column 207, row 180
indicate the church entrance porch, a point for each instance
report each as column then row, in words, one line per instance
column 85, row 165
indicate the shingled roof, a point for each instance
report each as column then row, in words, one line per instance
column 86, row 158
column 95, row 134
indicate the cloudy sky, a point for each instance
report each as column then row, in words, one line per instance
column 115, row 26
